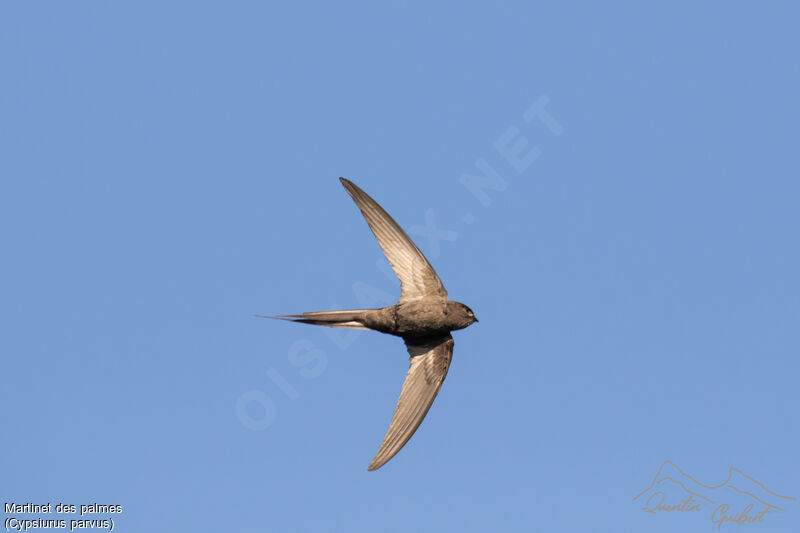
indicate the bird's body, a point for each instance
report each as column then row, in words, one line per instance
column 418, row 319
column 423, row 317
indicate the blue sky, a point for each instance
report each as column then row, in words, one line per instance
column 169, row 169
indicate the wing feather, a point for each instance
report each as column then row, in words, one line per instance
column 428, row 368
column 418, row 279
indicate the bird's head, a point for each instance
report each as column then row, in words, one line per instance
column 461, row 315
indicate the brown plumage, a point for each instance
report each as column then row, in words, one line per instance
column 423, row 317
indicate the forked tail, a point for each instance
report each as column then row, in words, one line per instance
column 352, row 318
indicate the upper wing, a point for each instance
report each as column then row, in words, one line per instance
column 417, row 277
column 429, row 364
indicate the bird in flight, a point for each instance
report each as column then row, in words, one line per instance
column 423, row 317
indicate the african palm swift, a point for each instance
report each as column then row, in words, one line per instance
column 423, row 317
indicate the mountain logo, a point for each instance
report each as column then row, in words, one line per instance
column 740, row 499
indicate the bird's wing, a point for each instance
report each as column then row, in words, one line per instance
column 417, row 277
column 429, row 364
